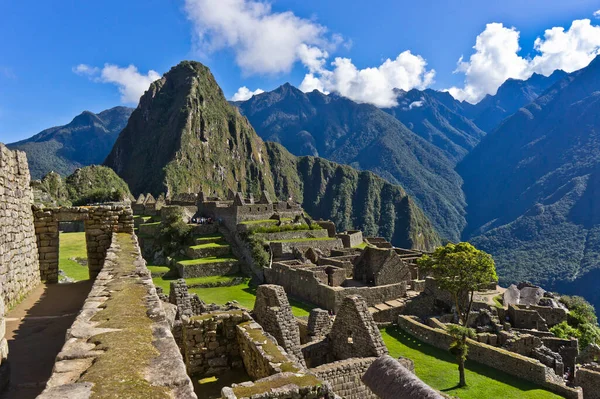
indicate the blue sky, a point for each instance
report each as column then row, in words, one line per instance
column 43, row 43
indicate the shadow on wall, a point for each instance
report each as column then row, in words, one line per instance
column 35, row 330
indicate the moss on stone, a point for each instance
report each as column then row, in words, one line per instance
column 119, row 372
column 300, row 380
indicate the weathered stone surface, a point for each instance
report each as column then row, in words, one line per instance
column 273, row 312
column 19, row 261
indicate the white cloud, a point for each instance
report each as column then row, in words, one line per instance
column 416, row 104
column 597, row 14
column 372, row 85
column 496, row 56
column 244, row 94
column 262, row 40
column 83, row 69
column 130, row 82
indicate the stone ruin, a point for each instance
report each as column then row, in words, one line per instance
column 267, row 345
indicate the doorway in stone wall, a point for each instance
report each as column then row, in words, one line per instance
column 72, row 253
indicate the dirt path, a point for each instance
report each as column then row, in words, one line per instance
column 35, row 331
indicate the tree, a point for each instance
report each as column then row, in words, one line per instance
column 460, row 269
column 459, row 347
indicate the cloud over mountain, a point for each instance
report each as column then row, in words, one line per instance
column 131, row 83
column 497, row 58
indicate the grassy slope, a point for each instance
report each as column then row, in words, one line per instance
column 72, row 245
column 438, row 369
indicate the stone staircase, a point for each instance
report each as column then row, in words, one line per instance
column 210, row 256
column 389, row 311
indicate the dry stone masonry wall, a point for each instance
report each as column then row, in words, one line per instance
column 274, row 313
column 100, row 223
column 120, row 344
column 19, row 265
column 345, row 377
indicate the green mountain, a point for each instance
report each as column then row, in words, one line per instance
column 185, row 137
column 351, row 198
column 532, row 189
column 366, row 138
column 439, row 119
column 512, row 95
column 86, row 140
column 87, row 185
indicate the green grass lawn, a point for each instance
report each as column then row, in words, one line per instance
column 208, row 259
column 439, row 369
column 209, row 237
column 362, row 245
column 243, row 293
column 210, row 245
column 72, row 245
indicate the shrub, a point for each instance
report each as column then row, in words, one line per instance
column 175, row 233
column 580, row 310
column 257, row 249
column 285, row 227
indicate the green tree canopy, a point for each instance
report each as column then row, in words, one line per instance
column 460, row 269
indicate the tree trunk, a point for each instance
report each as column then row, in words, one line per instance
column 461, row 371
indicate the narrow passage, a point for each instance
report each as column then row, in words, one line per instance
column 35, row 330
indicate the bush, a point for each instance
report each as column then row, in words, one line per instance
column 580, row 310
column 285, row 227
column 257, row 249
column 175, row 233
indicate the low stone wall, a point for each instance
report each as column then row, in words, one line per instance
column 281, row 248
column 209, row 345
column 120, row 343
column 497, row 358
column 292, row 235
column 207, row 269
column 589, row 380
column 345, row 377
column 19, row 262
column 261, row 355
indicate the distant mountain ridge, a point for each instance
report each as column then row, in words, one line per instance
column 185, row 137
column 532, row 188
column 366, row 138
column 438, row 118
column 86, row 140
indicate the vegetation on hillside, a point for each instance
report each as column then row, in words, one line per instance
column 582, row 322
column 186, row 137
column 366, row 138
column 351, row 199
column 88, row 185
column 531, row 186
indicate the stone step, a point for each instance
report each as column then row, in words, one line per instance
column 208, row 250
column 209, row 266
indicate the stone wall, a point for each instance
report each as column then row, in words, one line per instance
column 19, row 262
column 121, row 342
column 351, row 238
column 319, row 324
column 500, row 359
column 100, row 223
column 354, row 333
column 302, row 283
column 345, row 377
column 209, row 342
column 281, row 248
column 260, row 353
column 589, row 380
column 273, row 312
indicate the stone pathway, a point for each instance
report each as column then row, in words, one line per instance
column 35, row 330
